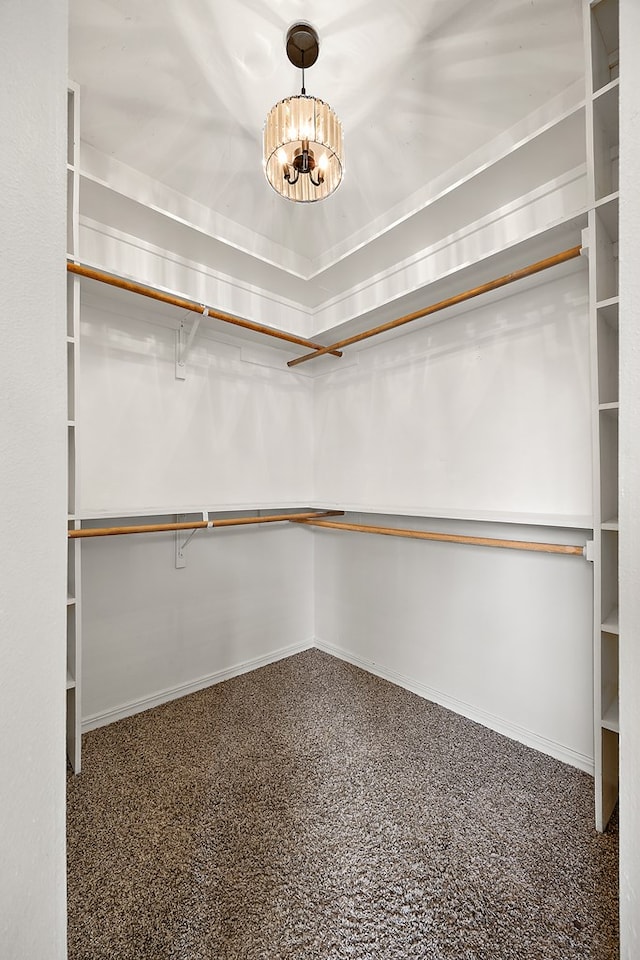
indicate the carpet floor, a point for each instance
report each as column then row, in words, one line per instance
column 309, row 810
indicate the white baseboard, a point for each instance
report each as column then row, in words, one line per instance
column 183, row 689
column 549, row 747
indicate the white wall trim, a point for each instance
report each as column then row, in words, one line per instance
column 184, row 689
column 515, row 732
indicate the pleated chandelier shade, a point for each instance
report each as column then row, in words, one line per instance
column 303, row 146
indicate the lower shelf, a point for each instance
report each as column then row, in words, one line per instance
column 611, row 622
column 611, row 717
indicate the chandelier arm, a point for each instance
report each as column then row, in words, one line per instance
column 287, row 175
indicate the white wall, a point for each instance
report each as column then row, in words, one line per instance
column 33, row 53
column 501, row 636
column 235, row 433
column 484, row 414
column 629, row 563
column 151, row 631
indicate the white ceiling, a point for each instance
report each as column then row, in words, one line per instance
column 179, row 91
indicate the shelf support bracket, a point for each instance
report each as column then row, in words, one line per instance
column 184, row 342
column 181, row 545
column 589, row 551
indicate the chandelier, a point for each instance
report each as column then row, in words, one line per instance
column 303, row 152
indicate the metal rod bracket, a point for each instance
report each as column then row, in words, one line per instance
column 181, row 544
column 184, row 342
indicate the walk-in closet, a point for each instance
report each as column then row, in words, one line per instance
column 346, row 357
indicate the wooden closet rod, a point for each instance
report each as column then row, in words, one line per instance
column 443, row 304
column 197, row 524
column 570, row 549
column 120, row 282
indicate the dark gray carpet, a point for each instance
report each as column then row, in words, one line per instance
column 310, row 810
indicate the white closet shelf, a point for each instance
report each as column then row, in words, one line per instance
column 70, row 681
column 611, row 524
column 509, row 255
column 611, row 623
column 608, row 310
column 608, row 210
column 164, row 511
column 611, row 409
column 611, row 716
column 605, row 15
column 559, row 521
column 70, row 600
column 605, row 108
column 606, row 89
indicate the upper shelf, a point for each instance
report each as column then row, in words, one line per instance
column 508, row 254
column 611, row 623
column 608, row 212
column 604, row 42
column 606, row 109
column 131, row 219
column 559, row 521
column 611, row 716
column 608, row 310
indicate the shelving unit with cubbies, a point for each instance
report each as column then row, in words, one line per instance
column 74, row 733
column 602, row 100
